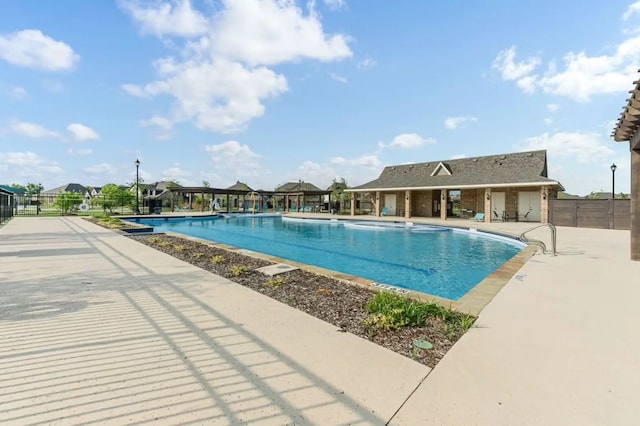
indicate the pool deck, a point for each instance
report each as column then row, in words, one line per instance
column 98, row 328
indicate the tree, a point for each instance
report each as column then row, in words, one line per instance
column 337, row 193
column 34, row 188
column 68, row 201
column 18, row 186
column 593, row 196
column 206, row 184
column 114, row 196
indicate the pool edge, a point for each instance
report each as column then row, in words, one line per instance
column 471, row 303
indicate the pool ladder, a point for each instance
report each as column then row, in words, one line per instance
column 522, row 237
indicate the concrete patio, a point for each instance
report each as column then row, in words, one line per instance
column 97, row 328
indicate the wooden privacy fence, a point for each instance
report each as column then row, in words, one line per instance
column 605, row 214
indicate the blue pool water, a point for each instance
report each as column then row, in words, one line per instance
column 433, row 260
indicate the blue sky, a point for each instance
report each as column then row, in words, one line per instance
column 271, row 91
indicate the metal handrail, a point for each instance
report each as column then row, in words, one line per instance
column 552, row 227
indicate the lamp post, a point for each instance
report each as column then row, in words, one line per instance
column 613, row 195
column 137, row 185
column 613, row 180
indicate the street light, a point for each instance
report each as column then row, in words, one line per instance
column 613, row 195
column 613, row 180
column 137, row 185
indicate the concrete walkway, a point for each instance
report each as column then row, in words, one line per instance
column 96, row 328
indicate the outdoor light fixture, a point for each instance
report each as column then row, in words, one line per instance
column 137, row 185
column 613, row 180
column 488, row 197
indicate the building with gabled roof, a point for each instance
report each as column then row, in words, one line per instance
column 70, row 187
column 502, row 187
column 13, row 189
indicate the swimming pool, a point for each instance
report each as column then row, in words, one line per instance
column 435, row 260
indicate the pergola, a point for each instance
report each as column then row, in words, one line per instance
column 300, row 196
column 626, row 130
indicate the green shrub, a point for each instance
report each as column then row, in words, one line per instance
column 392, row 311
column 275, row 282
column 218, row 259
column 237, row 270
column 179, row 247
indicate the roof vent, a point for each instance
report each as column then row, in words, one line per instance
column 504, row 157
column 474, row 159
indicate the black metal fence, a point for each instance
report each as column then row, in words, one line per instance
column 6, row 206
column 72, row 204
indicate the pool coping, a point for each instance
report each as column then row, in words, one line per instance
column 471, row 303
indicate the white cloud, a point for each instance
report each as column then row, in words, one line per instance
column 553, row 107
column 583, row 147
column 175, row 173
column 548, row 121
column 335, row 4
column 99, row 169
column 511, row 70
column 355, row 170
column 221, row 96
column 338, row 78
column 164, row 126
column 453, row 123
column 175, row 18
column 232, row 160
column 134, row 90
column 81, row 132
column 18, row 92
column 83, row 151
column 369, row 161
column 407, row 141
column 27, row 165
column 33, row 49
column 632, row 9
column 273, row 32
column 32, row 130
column 222, row 77
column 582, row 77
column 231, row 149
column 366, row 63
column 458, row 156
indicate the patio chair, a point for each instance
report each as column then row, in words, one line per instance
column 497, row 217
column 479, row 217
column 384, row 211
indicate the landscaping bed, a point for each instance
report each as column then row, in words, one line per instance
column 387, row 319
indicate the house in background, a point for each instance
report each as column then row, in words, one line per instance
column 75, row 188
column 504, row 187
column 96, row 191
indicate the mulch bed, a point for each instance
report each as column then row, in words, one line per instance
column 336, row 302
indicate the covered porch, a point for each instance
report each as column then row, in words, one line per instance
column 507, row 203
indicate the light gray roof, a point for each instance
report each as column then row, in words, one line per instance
column 298, row 187
column 240, row 186
column 70, row 187
column 519, row 169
